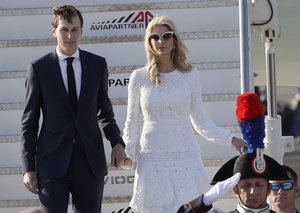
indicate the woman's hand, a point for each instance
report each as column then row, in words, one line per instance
column 127, row 163
column 239, row 144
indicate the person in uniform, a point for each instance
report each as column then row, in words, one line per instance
column 252, row 188
column 256, row 169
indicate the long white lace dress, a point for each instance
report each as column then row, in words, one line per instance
column 159, row 137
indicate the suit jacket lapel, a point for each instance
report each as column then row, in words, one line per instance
column 84, row 79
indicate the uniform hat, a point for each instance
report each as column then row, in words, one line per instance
column 249, row 166
column 253, row 164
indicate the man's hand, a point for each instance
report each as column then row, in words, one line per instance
column 30, row 181
column 118, row 155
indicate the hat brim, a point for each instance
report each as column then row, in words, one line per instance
column 244, row 165
column 276, row 170
column 225, row 172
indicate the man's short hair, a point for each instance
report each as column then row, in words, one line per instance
column 66, row 12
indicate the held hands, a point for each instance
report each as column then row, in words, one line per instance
column 30, row 181
column 221, row 188
column 127, row 163
column 118, row 155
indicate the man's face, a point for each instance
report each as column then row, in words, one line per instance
column 253, row 192
column 68, row 35
column 281, row 199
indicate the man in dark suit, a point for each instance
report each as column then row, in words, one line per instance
column 66, row 154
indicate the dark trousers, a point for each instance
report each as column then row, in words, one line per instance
column 85, row 188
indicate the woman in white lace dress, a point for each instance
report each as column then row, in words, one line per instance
column 164, row 104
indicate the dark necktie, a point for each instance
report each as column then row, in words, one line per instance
column 71, row 84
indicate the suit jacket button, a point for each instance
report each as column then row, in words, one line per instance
column 74, row 141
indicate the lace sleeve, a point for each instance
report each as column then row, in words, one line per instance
column 133, row 124
column 202, row 125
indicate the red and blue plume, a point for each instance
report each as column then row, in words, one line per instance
column 250, row 114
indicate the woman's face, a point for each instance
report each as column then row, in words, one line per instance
column 162, row 41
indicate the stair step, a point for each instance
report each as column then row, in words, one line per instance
column 10, row 146
column 14, row 81
column 45, row 7
column 128, row 69
column 201, row 51
column 114, row 39
column 117, row 182
column 35, row 202
column 20, row 15
column 214, row 107
column 123, row 101
column 109, row 204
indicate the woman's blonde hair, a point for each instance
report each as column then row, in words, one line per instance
column 179, row 55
